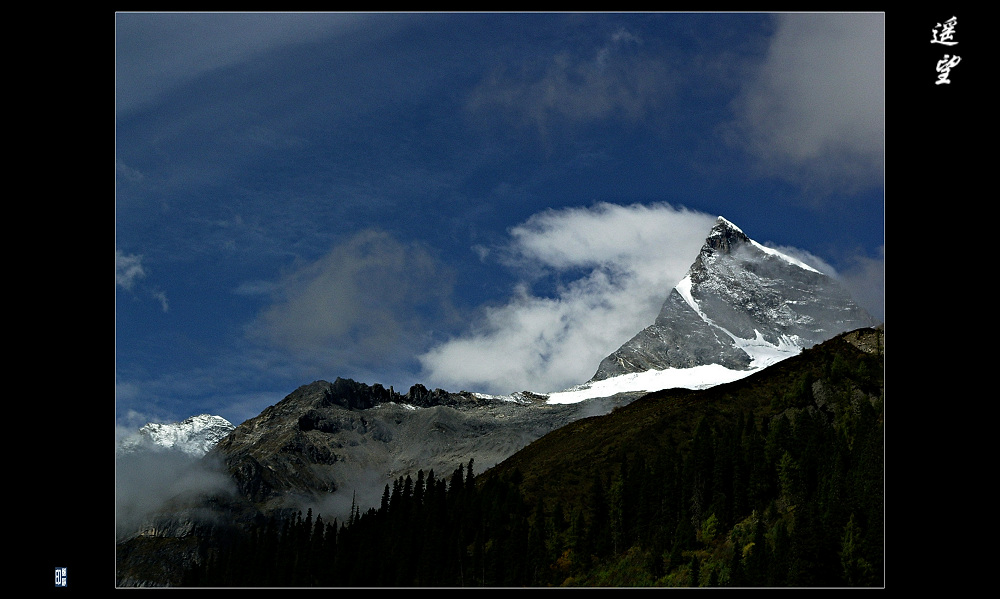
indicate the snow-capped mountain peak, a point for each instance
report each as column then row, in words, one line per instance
column 727, row 236
column 194, row 436
column 740, row 307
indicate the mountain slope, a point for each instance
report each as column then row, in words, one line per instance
column 563, row 462
column 774, row 480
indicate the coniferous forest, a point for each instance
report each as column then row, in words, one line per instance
column 776, row 482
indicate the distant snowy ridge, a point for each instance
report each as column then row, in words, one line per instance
column 194, row 436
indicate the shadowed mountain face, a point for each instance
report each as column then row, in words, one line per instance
column 738, row 299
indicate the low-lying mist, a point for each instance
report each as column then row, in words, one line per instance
column 146, row 480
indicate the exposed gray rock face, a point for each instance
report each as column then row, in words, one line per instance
column 736, row 296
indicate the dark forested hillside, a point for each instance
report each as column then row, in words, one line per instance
column 774, row 480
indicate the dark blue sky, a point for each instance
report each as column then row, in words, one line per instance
column 490, row 202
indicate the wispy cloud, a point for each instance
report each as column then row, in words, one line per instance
column 609, row 267
column 864, row 278
column 367, row 302
column 138, row 495
column 815, row 112
column 129, row 270
column 805, row 256
column 158, row 51
column 613, row 80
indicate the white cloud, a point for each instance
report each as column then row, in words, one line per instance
column 621, row 261
column 815, row 113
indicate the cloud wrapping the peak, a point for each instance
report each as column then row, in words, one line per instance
column 806, row 257
column 864, row 278
column 613, row 267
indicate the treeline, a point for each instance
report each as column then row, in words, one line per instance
column 792, row 497
column 426, row 532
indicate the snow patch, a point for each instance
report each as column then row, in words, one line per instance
column 518, row 397
column 698, row 377
column 684, row 289
column 763, row 354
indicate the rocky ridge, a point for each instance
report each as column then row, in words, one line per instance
column 346, row 436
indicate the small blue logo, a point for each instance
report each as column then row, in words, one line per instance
column 60, row 577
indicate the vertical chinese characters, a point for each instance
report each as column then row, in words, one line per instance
column 944, row 34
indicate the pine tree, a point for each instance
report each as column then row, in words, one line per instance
column 777, row 572
column 695, row 572
column 736, row 578
column 600, row 532
column 856, row 569
column 418, row 489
